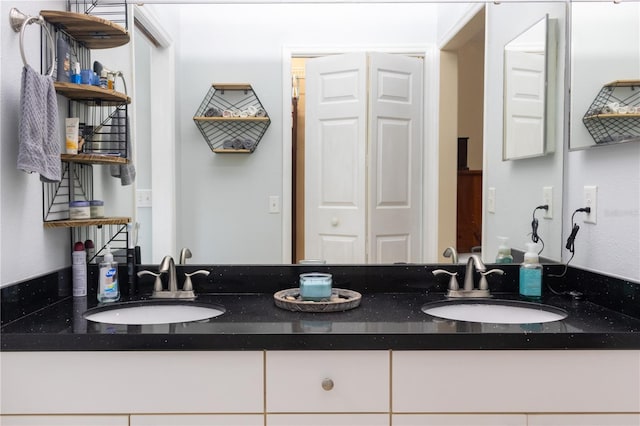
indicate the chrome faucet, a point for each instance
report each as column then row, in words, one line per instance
column 452, row 253
column 474, row 263
column 168, row 266
column 185, row 254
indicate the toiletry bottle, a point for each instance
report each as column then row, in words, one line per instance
column 108, row 290
column 504, row 251
column 79, row 270
column 103, row 79
column 75, row 76
column 531, row 274
column 90, row 249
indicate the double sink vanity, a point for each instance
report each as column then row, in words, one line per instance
column 389, row 361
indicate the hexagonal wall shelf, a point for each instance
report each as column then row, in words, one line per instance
column 231, row 118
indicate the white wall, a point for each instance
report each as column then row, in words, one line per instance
column 27, row 249
column 518, row 184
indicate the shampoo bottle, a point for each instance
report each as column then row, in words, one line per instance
column 108, row 290
column 504, row 251
column 531, row 274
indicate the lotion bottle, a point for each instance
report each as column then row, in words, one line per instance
column 531, row 274
column 108, row 290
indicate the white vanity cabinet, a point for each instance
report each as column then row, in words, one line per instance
column 327, row 387
column 528, row 382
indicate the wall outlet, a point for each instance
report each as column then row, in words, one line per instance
column 547, row 198
column 143, row 198
column 274, row 204
column 491, row 200
column 591, row 201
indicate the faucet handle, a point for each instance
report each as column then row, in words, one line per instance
column 157, row 284
column 484, row 284
column 188, row 285
column 453, row 281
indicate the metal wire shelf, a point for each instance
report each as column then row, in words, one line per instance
column 614, row 115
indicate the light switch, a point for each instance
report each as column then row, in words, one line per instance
column 491, row 200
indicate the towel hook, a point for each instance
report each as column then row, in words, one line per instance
column 19, row 22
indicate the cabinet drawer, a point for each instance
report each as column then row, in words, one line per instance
column 328, row 419
column 327, row 381
column 459, row 420
column 64, row 420
column 131, row 382
column 198, row 420
column 516, row 381
column 584, row 420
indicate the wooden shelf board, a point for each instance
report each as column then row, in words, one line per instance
column 623, row 83
column 231, row 151
column 90, row 94
column 68, row 223
column 612, row 116
column 93, row 159
column 232, row 86
column 92, row 31
column 231, row 118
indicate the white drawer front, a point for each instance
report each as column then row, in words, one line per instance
column 198, row 420
column 516, row 381
column 328, row 419
column 584, row 420
column 295, row 381
column 64, row 420
column 459, row 420
column 132, row 382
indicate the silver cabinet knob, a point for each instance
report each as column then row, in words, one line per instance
column 327, row 384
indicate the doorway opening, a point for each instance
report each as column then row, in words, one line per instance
column 461, row 137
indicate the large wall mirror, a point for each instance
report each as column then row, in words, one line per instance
column 608, row 56
column 529, row 74
column 222, row 202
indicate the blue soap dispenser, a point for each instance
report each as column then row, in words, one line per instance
column 108, row 290
column 531, row 274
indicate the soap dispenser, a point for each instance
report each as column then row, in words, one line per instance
column 531, row 274
column 108, row 290
column 504, row 251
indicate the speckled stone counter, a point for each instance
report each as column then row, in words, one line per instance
column 40, row 315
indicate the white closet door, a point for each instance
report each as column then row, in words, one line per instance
column 525, row 104
column 395, row 158
column 335, row 144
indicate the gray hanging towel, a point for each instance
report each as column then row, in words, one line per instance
column 38, row 132
column 120, row 137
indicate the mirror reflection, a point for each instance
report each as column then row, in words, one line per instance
column 239, row 208
column 528, row 61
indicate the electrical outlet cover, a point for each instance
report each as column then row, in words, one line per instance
column 591, row 201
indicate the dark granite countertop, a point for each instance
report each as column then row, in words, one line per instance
column 389, row 317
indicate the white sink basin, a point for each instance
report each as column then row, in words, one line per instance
column 150, row 313
column 494, row 311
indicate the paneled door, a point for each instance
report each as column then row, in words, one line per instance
column 363, row 158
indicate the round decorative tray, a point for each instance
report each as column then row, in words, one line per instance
column 341, row 300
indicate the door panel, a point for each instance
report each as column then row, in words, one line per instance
column 396, row 158
column 335, row 159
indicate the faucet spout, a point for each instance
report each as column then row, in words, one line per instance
column 474, row 263
column 168, row 265
column 185, row 254
column 452, row 253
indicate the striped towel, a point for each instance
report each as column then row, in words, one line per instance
column 38, row 131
